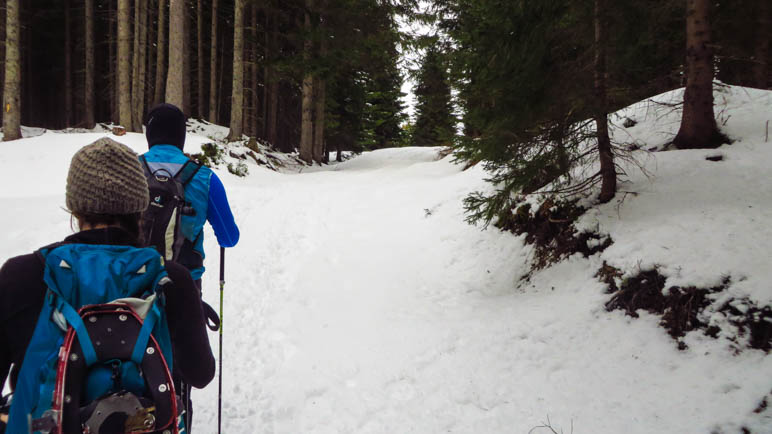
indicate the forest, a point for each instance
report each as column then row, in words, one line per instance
column 513, row 84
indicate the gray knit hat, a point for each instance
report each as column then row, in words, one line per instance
column 106, row 178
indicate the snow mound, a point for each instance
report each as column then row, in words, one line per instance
column 696, row 220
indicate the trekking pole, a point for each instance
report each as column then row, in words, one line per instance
column 219, row 393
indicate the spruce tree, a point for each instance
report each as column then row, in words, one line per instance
column 435, row 124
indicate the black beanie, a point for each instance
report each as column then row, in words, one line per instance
column 165, row 125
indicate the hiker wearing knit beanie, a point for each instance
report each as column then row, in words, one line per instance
column 101, row 264
column 106, row 186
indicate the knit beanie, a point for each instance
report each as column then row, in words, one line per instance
column 165, row 125
column 105, row 177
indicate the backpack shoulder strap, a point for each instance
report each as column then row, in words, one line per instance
column 42, row 252
column 187, row 172
column 145, row 167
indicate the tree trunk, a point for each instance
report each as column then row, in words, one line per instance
column 2, row 51
column 12, row 87
column 254, row 120
column 698, row 124
column 187, row 99
column 112, row 60
column 124, row 65
column 152, row 36
column 237, row 97
column 761, row 76
column 67, row 66
column 138, row 82
column 88, row 100
column 607, row 170
column 319, row 103
column 271, row 82
column 200, row 61
column 306, row 123
column 213, row 67
column 174, row 74
column 160, row 60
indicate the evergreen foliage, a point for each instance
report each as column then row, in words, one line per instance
column 435, row 123
column 524, row 85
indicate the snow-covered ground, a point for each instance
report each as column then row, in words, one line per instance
column 358, row 300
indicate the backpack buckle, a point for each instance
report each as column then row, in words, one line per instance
column 47, row 422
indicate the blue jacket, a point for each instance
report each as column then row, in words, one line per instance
column 206, row 195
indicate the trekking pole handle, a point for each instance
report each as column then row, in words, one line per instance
column 222, row 265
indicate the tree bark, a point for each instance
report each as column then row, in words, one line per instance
column 271, row 82
column 761, row 76
column 88, row 100
column 138, row 82
column 2, row 51
column 160, row 60
column 187, row 88
column 306, row 123
column 698, row 124
column 174, row 80
column 237, row 97
column 200, row 55
column 254, row 85
column 319, row 103
column 607, row 170
column 213, row 67
column 12, row 85
column 67, row 66
column 319, row 88
column 112, row 61
column 124, row 65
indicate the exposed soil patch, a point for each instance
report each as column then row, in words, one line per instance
column 551, row 230
column 685, row 309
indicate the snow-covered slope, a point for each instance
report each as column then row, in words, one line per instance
column 358, row 300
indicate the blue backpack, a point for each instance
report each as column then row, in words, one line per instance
column 100, row 358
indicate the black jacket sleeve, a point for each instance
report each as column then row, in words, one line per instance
column 21, row 297
column 193, row 358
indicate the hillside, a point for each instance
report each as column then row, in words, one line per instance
column 359, row 301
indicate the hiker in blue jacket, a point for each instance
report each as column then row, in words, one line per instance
column 165, row 133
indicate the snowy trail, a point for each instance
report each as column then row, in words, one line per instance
column 359, row 301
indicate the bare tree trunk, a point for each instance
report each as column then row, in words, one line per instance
column 12, row 88
column 124, row 65
column 698, row 124
column 67, row 66
column 2, row 51
column 213, row 67
column 152, row 36
column 138, row 82
column 237, row 97
column 271, row 81
column 200, row 55
column 319, row 88
column 135, row 68
column 160, row 60
column 254, row 120
column 607, row 170
column 174, row 76
column 187, row 88
column 761, row 76
column 306, row 123
column 88, row 100
column 319, row 101
column 114, row 89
